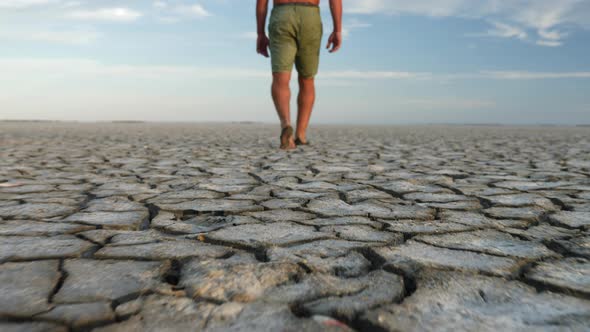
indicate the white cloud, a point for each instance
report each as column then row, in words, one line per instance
column 353, row 74
column 549, row 43
column 13, row 68
column 19, row 4
column 175, row 13
column 551, row 35
column 451, row 103
column 551, row 38
column 519, row 18
column 527, row 75
column 428, row 8
column 118, row 14
column 73, row 37
column 353, row 24
column 506, row 31
column 194, row 11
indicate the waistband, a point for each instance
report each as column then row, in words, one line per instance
column 306, row 4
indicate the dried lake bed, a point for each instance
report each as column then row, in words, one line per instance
column 209, row 227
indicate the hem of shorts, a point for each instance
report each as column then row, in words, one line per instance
column 280, row 70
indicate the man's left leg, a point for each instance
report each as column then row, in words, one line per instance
column 305, row 102
column 307, row 62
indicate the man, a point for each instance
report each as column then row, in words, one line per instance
column 295, row 30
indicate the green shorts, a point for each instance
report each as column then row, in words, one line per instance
column 295, row 33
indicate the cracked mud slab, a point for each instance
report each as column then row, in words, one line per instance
column 415, row 254
column 572, row 219
column 572, row 274
column 577, row 246
column 163, row 250
column 489, row 242
column 449, row 302
column 81, row 315
column 158, row 313
column 212, row 205
column 382, row 288
column 129, row 220
column 184, row 227
column 32, row 327
column 107, row 280
column 20, row 248
column 266, row 235
column 237, row 282
column 35, row 211
column 25, row 287
column 168, row 222
column 32, row 228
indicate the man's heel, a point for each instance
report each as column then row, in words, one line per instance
column 286, row 135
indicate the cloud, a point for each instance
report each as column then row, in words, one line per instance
column 506, row 31
column 175, row 13
column 551, row 38
column 353, row 24
column 367, row 75
column 73, row 37
column 19, row 4
column 14, row 68
column 549, row 43
column 527, row 75
column 117, row 14
column 435, row 8
column 509, row 18
column 551, row 35
column 194, row 11
column 452, row 103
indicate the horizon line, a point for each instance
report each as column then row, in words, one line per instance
column 466, row 124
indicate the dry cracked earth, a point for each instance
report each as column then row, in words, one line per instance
column 153, row 227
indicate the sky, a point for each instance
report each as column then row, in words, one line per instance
column 402, row 62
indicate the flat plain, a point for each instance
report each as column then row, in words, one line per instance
column 209, row 227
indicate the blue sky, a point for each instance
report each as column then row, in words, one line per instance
column 421, row 61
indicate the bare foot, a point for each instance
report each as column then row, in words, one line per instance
column 287, row 141
column 301, row 141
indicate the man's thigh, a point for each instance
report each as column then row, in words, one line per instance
column 307, row 59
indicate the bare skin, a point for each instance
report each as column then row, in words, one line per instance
column 281, row 92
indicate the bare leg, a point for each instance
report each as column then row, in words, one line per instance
column 281, row 95
column 305, row 103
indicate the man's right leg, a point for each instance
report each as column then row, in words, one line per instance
column 281, row 95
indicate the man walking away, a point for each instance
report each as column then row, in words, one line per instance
column 295, row 31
